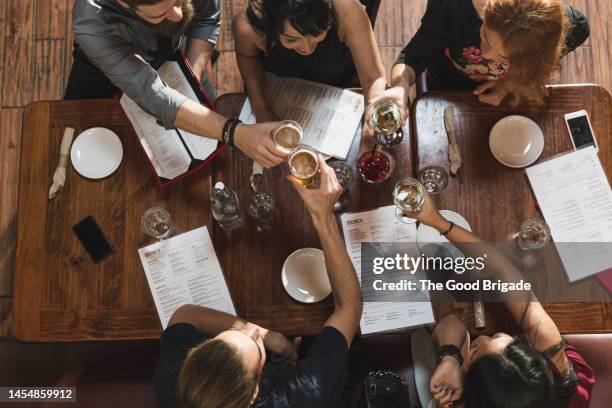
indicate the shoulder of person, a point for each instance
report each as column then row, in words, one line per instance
column 244, row 32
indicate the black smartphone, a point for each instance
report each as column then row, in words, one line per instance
column 92, row 238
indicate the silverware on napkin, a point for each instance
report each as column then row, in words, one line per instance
column 59, row 178
column 454, row 151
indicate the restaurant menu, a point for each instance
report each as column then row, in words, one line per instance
column 184, row 269
column 328, row 115
column 576, row 201
column 381, row 225
column 171, row 151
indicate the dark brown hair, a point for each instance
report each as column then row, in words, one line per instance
column 213, row 375
column 533, row 33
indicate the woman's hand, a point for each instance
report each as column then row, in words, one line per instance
column 397, row 94
column 256, row 142
column 283, row 349
column 429, row 214
column 446, row 383
column 494, row 92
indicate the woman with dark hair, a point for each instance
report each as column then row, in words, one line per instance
column 318, row 40
column 495, row 48
column 534, row 370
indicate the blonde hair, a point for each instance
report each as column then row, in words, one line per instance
column 533, row 33
column 213, row 375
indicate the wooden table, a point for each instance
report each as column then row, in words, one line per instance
column 495, row 199
column 60, row 295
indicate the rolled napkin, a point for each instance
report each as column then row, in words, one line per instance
column 454, row 152
column 256, row 176
column 59, row 178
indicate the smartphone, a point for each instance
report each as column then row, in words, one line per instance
column 581, row 132
column 92, row 238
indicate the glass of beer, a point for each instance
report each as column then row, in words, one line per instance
column 408, row 196
column 386, row 120
column 375, row 166
column 304, row 165
column 288, row 135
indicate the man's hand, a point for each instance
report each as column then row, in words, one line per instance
column 256, row 142
column 282, row 348
column 494, row 92
column 446, row 383
column 320, row 202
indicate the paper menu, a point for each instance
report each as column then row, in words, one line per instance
column 381, row 225
column 171, row 151
column 184, row 269
column 574, row 195
column 330, row 116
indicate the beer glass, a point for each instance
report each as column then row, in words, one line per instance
column 288, row 135
column 304, row 165
column 408, row 196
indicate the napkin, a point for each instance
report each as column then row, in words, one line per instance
column 454, row 152
column 256, row 176
column 59, row 178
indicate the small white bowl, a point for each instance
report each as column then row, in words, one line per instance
column 304, row 276
column 96, row 153
column 516, row 141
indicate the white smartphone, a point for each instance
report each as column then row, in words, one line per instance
column 580, row 130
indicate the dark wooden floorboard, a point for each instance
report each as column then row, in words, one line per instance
column 36, row 56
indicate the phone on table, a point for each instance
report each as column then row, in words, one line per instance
column 580, row 129
column 92, row 238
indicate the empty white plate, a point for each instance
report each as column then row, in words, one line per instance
column 305, row 277
column 96, row 153
column 428, row 238
column 516, row 141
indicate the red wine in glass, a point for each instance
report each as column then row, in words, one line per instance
column 375, row 166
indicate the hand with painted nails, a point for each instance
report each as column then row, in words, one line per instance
column 446, row 383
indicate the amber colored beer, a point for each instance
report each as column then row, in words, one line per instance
column 288, row 135
column 304, row 165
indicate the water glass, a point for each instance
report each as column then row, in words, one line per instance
column 533, row 234
column 434, row 179
column 261, row 209
column 156, row 223
column 344, row 173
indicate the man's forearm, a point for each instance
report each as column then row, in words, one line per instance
column 198, row 53
column 199, row 120
column 342, row 276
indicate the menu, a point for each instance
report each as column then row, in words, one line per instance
column 576, row 201
column 328, row 115
column 184, row 269
column 381, row 225
column 172, row 152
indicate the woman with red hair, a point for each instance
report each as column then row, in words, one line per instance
column 493, row 47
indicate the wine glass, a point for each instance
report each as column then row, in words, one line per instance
column 409, row 196
column 375, row 166
column 386, row 120
column 533, row 234
column 156, row 223
column 434, row 179
column 261, row 208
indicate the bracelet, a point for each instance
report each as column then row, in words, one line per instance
column 232, row 130
column 452, row 224
column 224, row 132
column 450, row 350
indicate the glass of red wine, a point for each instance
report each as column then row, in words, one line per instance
column 375, row 166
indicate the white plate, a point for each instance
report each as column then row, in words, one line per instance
column 305, row 277
column 96, row 153
column 428, row 238
column 516, row 141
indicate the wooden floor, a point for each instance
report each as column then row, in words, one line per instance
column 35, row 58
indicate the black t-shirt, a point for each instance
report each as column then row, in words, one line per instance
column 448, row 45
column 317, row 380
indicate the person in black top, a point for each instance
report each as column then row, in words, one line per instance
column 494, row 47
column 318, row 40
column 209, row 359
